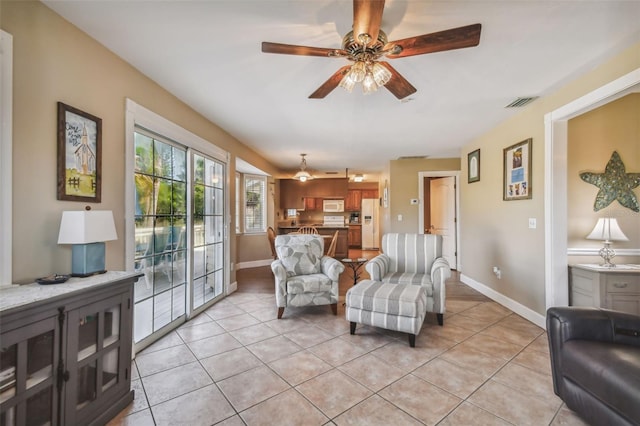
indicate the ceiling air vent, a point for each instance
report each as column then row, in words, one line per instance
column 520, row 102
column 413, row 157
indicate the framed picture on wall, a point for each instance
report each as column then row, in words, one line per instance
column 473, row 166
column 79, row 155
column 517, row 171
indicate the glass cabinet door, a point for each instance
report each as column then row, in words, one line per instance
column 94, row 359
column 28, row 357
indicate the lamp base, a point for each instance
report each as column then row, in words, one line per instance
column 87, row 259
column 607, row 253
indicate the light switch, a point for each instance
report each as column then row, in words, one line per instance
column 399, row 218
column 532, row 223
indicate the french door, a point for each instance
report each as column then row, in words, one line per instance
column 179, row 233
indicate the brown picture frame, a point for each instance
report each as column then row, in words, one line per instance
column 79, row 155
column 517, row 171
column 473, row 166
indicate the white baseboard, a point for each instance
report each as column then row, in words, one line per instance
column 518, row 308
column 253, row 264
column 232, row 287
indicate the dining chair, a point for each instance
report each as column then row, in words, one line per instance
column 331, row 252
column 308, row 230
column 271, row 235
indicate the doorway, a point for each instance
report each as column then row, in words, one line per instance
column 440, row 203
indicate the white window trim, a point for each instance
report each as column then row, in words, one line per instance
column 6, row 156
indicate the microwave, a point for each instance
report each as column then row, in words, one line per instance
column 333, row 206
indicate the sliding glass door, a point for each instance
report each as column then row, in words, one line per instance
column 160, row 233
column 179, row 233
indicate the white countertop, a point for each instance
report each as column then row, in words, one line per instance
column 18, row 295
column 623, row 268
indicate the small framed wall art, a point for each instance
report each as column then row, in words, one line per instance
column 79, row 155
column 517, row 171
column 473, row 166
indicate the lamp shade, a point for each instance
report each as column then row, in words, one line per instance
column 607, row 229
column 86, row 226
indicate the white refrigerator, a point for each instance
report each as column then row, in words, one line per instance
column 369, row 217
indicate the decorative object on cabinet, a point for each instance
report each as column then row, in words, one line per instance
column 607, row 230
column 517, row 171
column 79, row 155
column 87, row 230
column 614, row 184
column 473, row 166
column 601, row 287
column 303, row 175
column 66, row 351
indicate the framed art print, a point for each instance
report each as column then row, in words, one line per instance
column 473, row 166
column 517, row 171
column 79, row 155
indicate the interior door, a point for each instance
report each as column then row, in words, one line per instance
column 443, row 215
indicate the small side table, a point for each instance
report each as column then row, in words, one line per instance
column 355, row 265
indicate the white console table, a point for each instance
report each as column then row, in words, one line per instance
column 615, row 288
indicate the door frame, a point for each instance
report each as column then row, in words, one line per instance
column 555, row 189
column 444, row 173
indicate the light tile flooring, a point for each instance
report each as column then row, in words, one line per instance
column 237, row 364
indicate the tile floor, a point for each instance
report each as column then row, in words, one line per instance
column 237, row 364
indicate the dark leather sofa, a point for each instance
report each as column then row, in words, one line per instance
column 595, row 361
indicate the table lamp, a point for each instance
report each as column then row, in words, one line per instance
column 87, row 231
column 607, row 230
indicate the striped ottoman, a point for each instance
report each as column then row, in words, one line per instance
column 399, row 307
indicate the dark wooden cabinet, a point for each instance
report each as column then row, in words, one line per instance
column 293, row 193
column 313, row 204
column 370, row 193
column 66, row 359
column 353, row 201
column 355, row 236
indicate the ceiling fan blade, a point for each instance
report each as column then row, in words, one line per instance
column 455, row 38
column 330, row 84
column 398, row 85
column 367, row 17
column 292, row 49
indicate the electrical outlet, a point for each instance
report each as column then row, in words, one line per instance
column 497, row 272
column 399, row 218
column 414, row 201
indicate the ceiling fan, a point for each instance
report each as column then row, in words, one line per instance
column 367, row 44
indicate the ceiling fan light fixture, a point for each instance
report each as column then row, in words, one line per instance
column 369, row 84
column 358, row 178
column 347, row 83
column 358, row 71
column 381, row 75
column 303, row 175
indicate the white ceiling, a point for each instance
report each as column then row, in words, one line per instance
column 207, row 53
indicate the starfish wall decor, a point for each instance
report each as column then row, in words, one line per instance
column 614, row 184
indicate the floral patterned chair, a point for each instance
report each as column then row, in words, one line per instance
column 303, row 275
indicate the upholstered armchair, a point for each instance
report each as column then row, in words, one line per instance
column 414, row 259
column 303, row 276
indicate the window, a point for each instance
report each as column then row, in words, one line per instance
column 254, row 203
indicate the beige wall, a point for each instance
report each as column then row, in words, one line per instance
column 592, row 139
column 54, row 61
column 403, row 186
column 495, row 232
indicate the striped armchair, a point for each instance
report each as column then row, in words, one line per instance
column 414, row 259
column 304, row 276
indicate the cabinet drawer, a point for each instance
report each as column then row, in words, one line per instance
column 623, row 283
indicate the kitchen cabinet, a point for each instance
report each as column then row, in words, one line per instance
column 611, row 288
column 353, row 200
column 370, row 193
column 66, row 351
column 355, row 236
column 293, row 192
column 313, row 204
